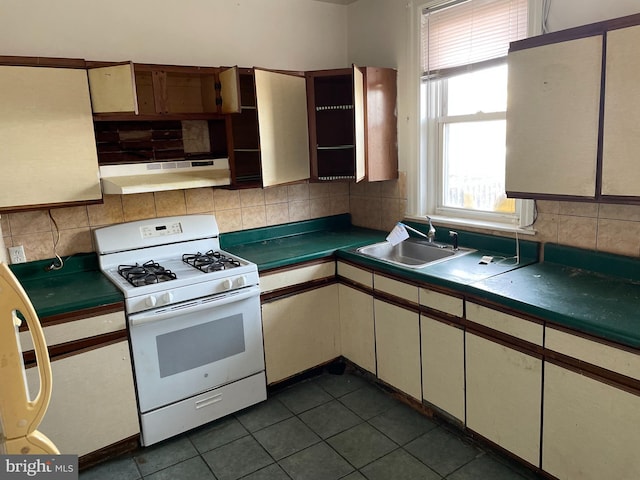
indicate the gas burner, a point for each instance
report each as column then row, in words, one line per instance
column 210, row 261
column 145, row 274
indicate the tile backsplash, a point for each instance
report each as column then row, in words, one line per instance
column 71, row 228
column 378, row 205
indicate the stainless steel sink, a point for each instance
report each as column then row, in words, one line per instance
column 413, row 253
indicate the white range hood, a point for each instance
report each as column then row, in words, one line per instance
column 161, row 176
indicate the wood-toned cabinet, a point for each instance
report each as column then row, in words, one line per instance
column 268, row 140
column 149, row 91
column 47, row 141
column 353, row 124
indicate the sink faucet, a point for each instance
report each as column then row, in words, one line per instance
column 431, row 234
column 454, row 236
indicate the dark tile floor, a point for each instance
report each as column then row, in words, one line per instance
column 325, row 428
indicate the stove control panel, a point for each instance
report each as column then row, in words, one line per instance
column 149, row 231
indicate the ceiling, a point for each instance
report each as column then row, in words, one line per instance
column 339, row 2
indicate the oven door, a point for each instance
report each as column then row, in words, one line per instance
column 188, row 348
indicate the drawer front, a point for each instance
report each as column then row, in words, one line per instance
column 508, row 324
column 440, row 301
column 287, row 278
column 604, row 356
column 355, row 274
column 393, row 287
column 76, row 330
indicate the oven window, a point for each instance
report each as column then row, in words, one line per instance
column 193, row 347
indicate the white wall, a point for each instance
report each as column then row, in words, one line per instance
column 286, row 34
column 571, row 13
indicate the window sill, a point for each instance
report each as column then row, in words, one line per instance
column 470, row 223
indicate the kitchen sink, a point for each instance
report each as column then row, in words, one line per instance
column 413, row 253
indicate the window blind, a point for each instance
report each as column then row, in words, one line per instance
column 457, row 33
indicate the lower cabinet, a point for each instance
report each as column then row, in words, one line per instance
column 398, row 347
column 591, row 428
column 357, row 331
column 300, row 332
column 504, row 396
column 442, row 347
column 93, row 402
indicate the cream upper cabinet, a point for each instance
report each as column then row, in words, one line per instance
column 621, row 145
column 553, row 118
column 47, row 142
column 282, row 119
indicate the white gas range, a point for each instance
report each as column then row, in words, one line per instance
column 193, row 314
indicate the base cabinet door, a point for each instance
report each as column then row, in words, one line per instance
column 443, row 366
column 591, row 429
column 504, row 396
column 93, row 402
column 398, row 347
column 300, row 332
column 357, row 327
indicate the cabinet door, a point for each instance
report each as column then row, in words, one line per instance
column 443, row 366
column 282, row 118
column 230, row 90
column 590, row 428
column 504, row 396
column 553, row 118
column 621, row 144
column 47, row 142
column 113, row 89
column 300, row 332
column 93, row 402
column 398, row 347
column 357, row 327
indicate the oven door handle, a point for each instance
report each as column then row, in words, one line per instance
column 206, row 303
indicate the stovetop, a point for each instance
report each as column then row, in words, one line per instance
column 168, row 260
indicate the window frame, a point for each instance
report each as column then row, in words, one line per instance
column 427, row 188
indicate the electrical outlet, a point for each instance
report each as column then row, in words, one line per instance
column 16, row 254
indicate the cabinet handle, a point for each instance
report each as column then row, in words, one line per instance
column 205, row 402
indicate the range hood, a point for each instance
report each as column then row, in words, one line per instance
column 160, row 176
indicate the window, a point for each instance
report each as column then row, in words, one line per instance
column 463, row 81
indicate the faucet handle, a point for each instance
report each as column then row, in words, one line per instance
column 454, row 236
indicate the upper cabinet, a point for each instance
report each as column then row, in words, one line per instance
column 353, row 124
column 150, row 91
column 47, row 142
column 621, row 145
column 552, row 118
column 268, row 140
column 573, row 114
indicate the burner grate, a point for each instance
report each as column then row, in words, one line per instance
column 146, row 274
column 210, row 261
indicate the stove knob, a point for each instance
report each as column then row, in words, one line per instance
column 151, row 301
column 167, row 297
column 241, row 281
column 227, row 284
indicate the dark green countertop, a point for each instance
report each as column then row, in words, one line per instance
column 284, row 245
column 602, row 299
column 590, row 292
column 77, row 286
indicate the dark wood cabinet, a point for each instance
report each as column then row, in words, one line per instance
column 352, row 124
column 146, row 91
